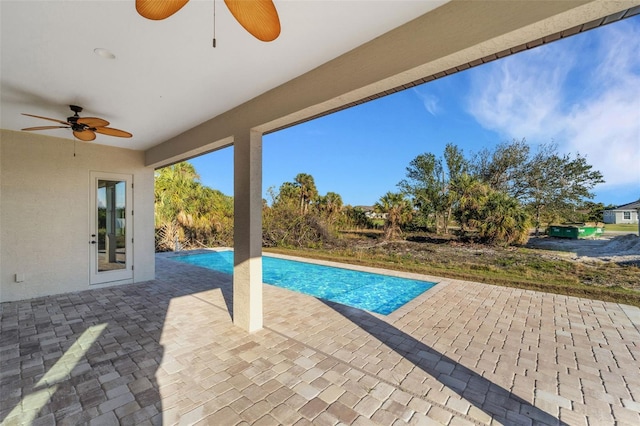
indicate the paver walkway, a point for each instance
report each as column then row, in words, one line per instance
column 166, row 352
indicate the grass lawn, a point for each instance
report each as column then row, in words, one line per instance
column 621, row 227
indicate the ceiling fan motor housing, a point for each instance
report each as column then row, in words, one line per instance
column 73, row 120
column 75, row 126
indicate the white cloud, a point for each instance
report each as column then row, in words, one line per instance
column 429, row 101
column 582, row 94
column 519, row 96
column 607, row 131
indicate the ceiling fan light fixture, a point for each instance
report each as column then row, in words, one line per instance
column 105, row 53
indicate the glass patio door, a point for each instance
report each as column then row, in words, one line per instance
column 111, row 234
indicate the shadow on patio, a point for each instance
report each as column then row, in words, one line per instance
column 496, row 401
column 92, row 355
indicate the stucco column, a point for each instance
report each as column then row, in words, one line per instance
column 247, row 234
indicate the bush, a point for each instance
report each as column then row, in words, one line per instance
column 501, row 220
column 286, row 227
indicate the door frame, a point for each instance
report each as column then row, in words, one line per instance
column 101, row 277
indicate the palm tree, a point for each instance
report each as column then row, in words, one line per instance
column 173, row 188
column 330, row 205
column 308, row 191
column 288, row 195
column 470, row 196
column 398, row 211
column 502, row 220
column 187, row 211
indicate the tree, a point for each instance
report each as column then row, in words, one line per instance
column 308, row 191
column 398, row 211
column 556, row 184
column 501, row 220
column 289, row 193
column 424, row 184
column 549, row 184
column 593, row 212
column 290, row 222
column 356, row 217
column 187, row 211
column 429, row 181
column 471, row 196
column 504, row 169
column 329, row 206
column 457, row 167
column 173, row 186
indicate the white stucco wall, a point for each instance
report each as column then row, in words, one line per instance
column 632, row 217
column 617, row 216
column 44, row 212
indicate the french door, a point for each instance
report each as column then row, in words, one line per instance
column 111, row 231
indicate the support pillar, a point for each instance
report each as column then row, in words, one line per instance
column 247, row 234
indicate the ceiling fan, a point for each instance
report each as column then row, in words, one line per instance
column 84, row 128
column 258, row 17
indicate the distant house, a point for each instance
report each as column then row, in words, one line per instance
column 627, row 213
column 370, row 212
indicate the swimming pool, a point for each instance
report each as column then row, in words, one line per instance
column 378, row 293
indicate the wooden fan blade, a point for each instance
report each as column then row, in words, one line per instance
column 93, row 121
column 46, row 127
column 84, row 135
column 110, row 131
column 46, row 118
column 259, row 17
column 159, row 9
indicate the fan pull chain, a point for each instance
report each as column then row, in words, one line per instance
column 214, row 23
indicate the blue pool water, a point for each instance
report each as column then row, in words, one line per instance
column 382, row 294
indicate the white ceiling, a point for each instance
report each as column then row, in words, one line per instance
column 166, row 77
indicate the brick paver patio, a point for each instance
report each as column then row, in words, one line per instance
column 166, row 352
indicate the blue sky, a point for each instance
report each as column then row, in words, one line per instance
column 581, row 93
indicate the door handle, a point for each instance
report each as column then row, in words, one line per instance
column 92, row 242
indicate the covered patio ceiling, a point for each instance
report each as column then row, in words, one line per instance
column 181, row 97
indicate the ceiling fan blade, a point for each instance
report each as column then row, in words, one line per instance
column 46, row 127
column 84, row 135
column 93, row 121
column 259, row 17
column 110, row 131
column 159, row 9
column 46, row 118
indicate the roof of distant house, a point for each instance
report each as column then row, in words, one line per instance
column 630, row 206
